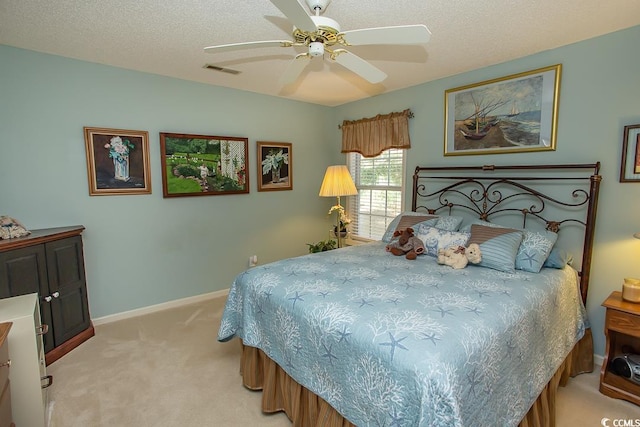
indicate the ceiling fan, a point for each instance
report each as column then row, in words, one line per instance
column 323, row 35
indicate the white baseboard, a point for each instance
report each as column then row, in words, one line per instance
column 597, row 360
column 158, row 307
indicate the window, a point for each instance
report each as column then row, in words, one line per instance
column 380, row 183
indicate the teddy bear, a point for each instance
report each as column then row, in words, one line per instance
column 405, row 243
column 459, row 256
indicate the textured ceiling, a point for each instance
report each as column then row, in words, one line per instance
column 167, row 37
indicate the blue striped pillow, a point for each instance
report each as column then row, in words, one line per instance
column 534, row 248
column 498, row 246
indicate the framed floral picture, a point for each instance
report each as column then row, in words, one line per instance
column 275, row 166
column 117, row 161
column 203, row 165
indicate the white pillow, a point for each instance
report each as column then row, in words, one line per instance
column 435, row 238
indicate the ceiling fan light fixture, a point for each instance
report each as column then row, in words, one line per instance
column 316, row 49
column 321, row 35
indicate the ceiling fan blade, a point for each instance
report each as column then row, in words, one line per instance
column 358, row 66
column 403, row 34
column 296, row 13
column 247, row 45
column 294, row 69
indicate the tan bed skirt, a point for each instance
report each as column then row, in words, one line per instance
column 281, row 393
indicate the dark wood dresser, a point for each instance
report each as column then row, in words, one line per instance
column 50, row 262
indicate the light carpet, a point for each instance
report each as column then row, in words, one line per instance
column 167, row 369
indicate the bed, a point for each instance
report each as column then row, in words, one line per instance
column 357, row 336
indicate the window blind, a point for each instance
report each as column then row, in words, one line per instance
column 380, row 183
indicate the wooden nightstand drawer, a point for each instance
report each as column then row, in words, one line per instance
column 623, row 322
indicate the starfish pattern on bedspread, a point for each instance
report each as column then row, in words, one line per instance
column 412, row 343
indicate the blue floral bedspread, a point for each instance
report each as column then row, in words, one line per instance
column 392, row 342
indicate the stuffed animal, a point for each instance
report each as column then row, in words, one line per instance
column 405, row 243
column 459, row 256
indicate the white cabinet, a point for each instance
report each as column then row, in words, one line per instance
column 5, row 363
column 28, row 376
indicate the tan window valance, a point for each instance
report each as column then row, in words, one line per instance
column 373, row 135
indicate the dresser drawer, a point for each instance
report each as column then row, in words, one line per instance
column 622, row 322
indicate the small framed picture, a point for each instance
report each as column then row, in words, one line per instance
column 117, row 161
column 630, row 163
column 275, row 166
column 203, row 165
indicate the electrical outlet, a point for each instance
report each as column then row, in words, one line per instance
column 253, row 260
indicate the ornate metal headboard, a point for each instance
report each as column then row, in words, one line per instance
column 488, row 192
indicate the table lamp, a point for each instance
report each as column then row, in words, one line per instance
column 630, row 286
column 337, row 182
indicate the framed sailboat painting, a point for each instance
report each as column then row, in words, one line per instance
column 516, row 113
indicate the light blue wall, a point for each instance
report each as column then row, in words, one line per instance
column 143, row 250
column 600, row 94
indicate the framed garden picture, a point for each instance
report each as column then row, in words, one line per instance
column 117, row 161
column 275, row 166
column 203, row 165
column 630, row 163
column 510, row 114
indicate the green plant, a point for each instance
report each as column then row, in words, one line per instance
column 274, row 161
column 223, row 183
column 187, row 170
column 322, row 246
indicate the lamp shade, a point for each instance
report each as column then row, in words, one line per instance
column 337, row 182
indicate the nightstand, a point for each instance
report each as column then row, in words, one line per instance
column 622, row 332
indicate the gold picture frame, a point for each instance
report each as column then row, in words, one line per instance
column 630, row 162
column 117, row 161
column 516, row 113
column 275, row 166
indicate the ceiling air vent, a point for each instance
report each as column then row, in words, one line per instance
column 221, row 69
